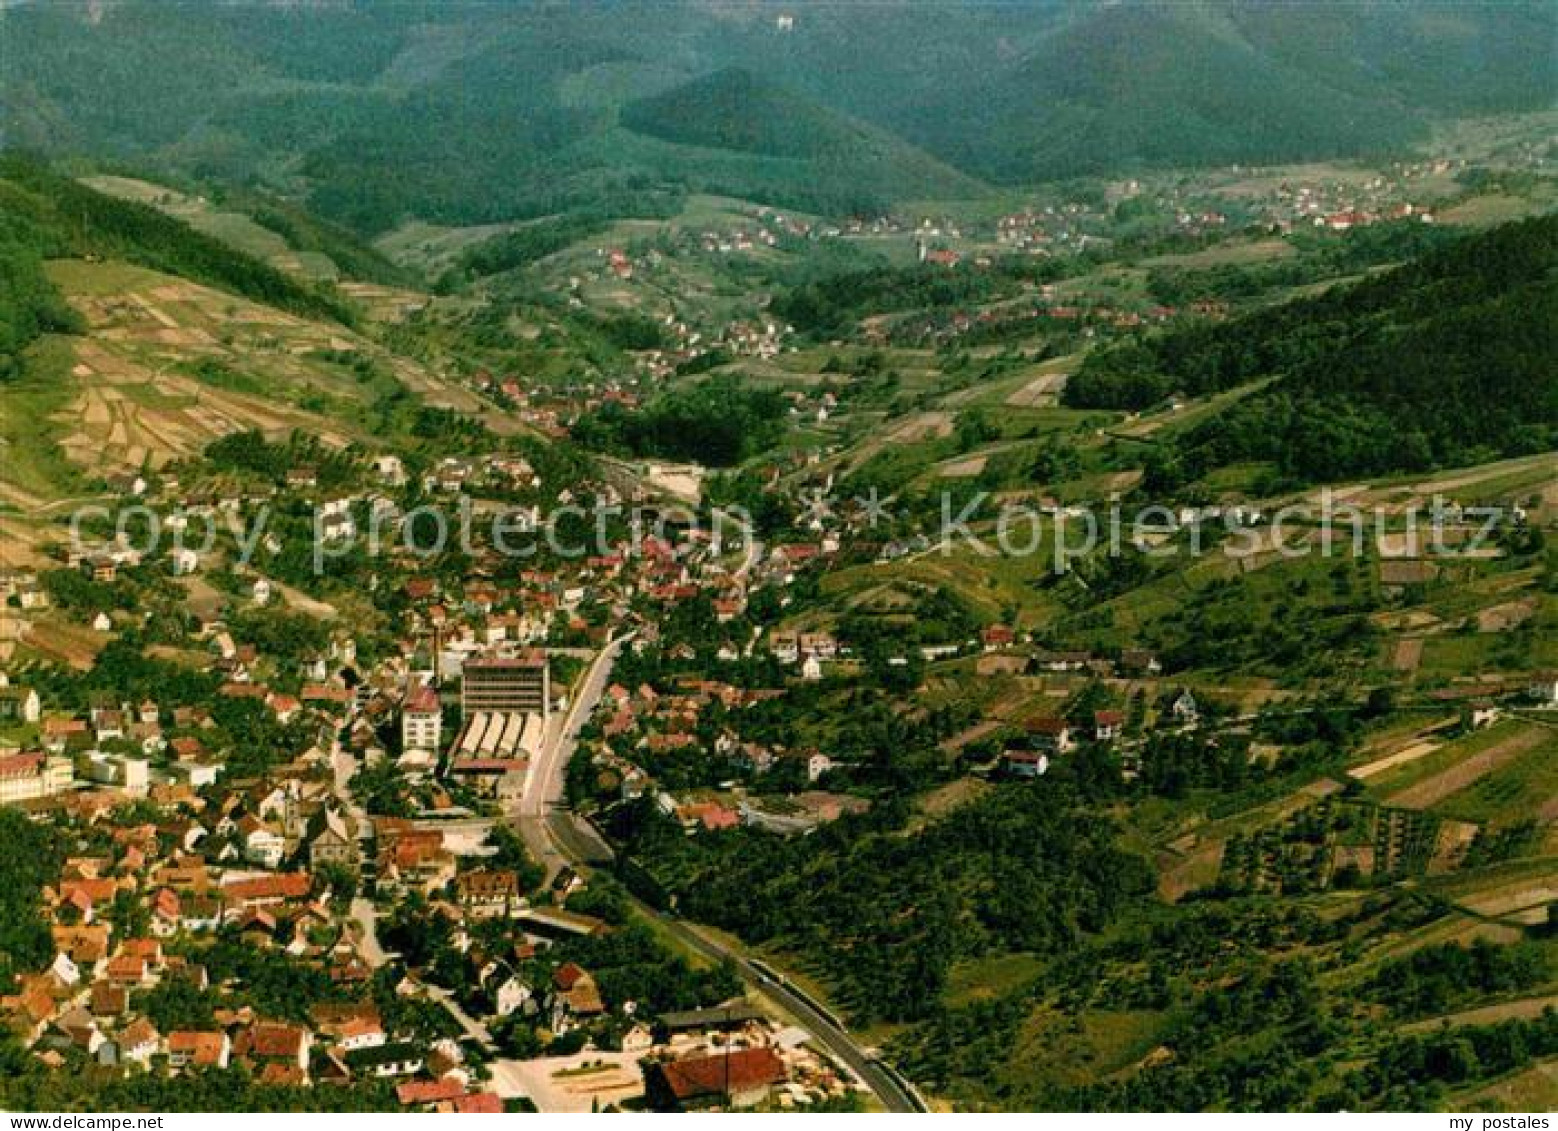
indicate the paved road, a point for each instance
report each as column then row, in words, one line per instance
column 570, row 837
column 895, row 1093
column 543, row 792
column 558, row 837
column 544, row 784
column 367, row 917
column 473, row 1028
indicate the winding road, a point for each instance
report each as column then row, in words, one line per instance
column 557, row 837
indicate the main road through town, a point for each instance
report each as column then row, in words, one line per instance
column 557, row 837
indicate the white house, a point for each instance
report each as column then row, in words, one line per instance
column 21, row 703
column 140, row 1042
column 385, row 1061
column 510, row 996
column 786, row 648
column 334, row 522
column 389, row 469
column 361, row 1034
column 66, row 972
column 421, row 720
column 263, row 845
column 198, row 775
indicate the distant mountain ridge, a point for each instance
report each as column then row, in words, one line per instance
column 1142, row 86
column 463, row 112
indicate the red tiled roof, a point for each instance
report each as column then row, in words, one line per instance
column 20, row 765
column 127, row 966
column 429, row 1091
column 202, row 1048
column 289, row 885
column 423, row 699
column 319, row 693
column 274, row 1041
column 96, row 891
column 740, row 1071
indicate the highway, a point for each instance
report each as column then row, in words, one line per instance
column 892, row 1090
column 556, row 837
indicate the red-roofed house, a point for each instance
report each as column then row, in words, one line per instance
column 419, row 1093
column 266, row 891
column 1107, row 725
column 275, row 1043
column 740, row 1078
column 203, row 1050
column 481, row 1103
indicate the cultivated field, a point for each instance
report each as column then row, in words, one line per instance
column 167, row 367
column 1472, row 768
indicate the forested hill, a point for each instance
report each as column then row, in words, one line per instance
column 466, row 111
column 76, row 220
column 1147, row 84
column 736, row 110
column 1444, row 360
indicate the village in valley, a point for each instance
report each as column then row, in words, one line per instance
column 330, row 854
column 265, row 830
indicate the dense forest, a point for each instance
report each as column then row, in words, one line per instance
column 884, row 914
column 1447, row 359
column 30, row 305
column 829, row 306
column 717, row 423
column 30, row 860
column 854, row 166
column 466, row 112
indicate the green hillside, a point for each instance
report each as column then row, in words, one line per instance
column 466, row 113
column 737, row 111
column 1447, row 359
column 1133, row 86
column 46, row 215
column 734, row 109
column 1141, row 86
